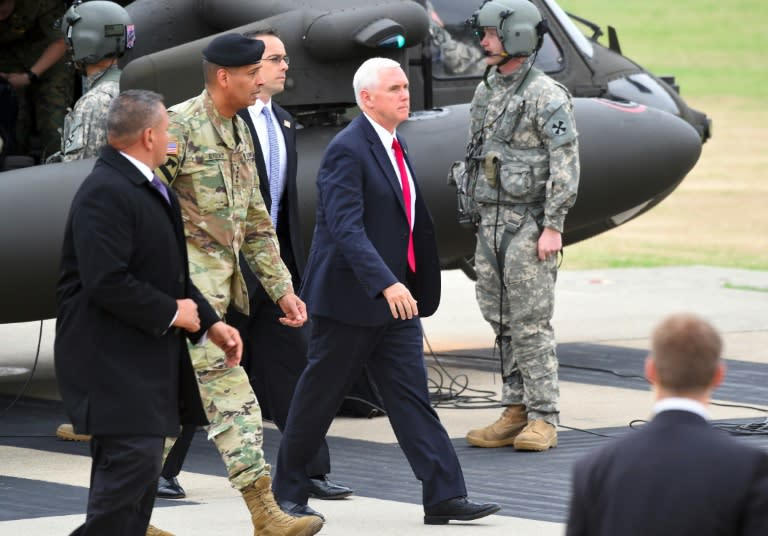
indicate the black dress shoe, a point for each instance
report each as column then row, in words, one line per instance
column 299, row 510
column 457, row 509
column 169, row 488
column 322, row 488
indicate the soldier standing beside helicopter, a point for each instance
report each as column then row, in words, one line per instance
column 97, row 34
column 522, row 169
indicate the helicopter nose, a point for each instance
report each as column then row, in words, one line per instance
column 631, row 156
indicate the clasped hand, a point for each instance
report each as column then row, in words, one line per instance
column 222, row 335
column 401, row 302
column 295, row 310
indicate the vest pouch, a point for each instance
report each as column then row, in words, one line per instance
column 467, row 213
column 516, row 179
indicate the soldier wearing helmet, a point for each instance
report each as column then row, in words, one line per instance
column 523, row 165
column 97, row 33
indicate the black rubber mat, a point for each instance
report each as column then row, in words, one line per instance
column 528, row 485
column 614, row 366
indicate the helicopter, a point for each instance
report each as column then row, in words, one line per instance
column 638, row 138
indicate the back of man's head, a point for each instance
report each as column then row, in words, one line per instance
column 686, row 351
column 130, row 113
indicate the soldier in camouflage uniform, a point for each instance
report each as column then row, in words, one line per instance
column 523, row 155
column 31, row 52
column 211, row 167
column 97, row 33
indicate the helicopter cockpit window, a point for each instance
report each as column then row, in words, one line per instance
column 456, row 51
column 571, row 29
column 550, row 58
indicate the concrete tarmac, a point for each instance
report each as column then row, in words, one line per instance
column 603, row 320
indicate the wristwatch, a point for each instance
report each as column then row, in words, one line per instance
column 33, row 78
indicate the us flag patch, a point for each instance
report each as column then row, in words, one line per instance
column 171, row 149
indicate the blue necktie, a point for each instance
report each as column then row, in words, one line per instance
column 160, row 187
column 275, row 185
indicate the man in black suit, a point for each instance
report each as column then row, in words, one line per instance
column 125, row 305
column 678, row 475
column 373, row 256
column 275, row 355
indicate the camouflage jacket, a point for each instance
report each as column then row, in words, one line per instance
column 523, row 144
column 211, row 167
column 31, row 27
column 85, row 127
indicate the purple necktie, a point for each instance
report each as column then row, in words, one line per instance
column 160, row 187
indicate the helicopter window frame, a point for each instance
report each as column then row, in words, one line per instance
column 577, row 36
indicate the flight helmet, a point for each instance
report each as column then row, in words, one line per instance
column 518, row 23
column 97, row 29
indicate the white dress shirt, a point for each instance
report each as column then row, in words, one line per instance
column 680, row 403
column 260, row 123
column 386, row 139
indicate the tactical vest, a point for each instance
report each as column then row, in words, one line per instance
column 506, row 173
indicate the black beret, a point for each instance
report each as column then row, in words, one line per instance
column 234, row 50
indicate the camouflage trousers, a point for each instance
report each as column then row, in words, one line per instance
column 233, row 413
column 521, row 309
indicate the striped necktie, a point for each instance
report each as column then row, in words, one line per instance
column 273, row 166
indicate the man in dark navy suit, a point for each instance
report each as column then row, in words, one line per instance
column 125, row 305
column 677, row 476
column 373, row 257
column 275, row 355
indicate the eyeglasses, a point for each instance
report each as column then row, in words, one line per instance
column 277, row 59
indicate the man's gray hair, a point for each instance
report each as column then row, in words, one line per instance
column 367, row 75
column 132, row 111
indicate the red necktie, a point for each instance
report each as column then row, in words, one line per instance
column 406, row 200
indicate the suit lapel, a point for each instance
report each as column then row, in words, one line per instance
column 289, row 137
column 381, row 156
column 178, row 225
column 284, row 120
column 261, row 167
column 131, row 173
column 413, row 174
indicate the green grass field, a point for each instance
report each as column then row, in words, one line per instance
column 714, row 47
column 716, row 50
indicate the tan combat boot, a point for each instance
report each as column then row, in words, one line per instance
column 269, row 520
column 538, row 435
column 154, row 531
column 67, row 433
column 503, row 431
